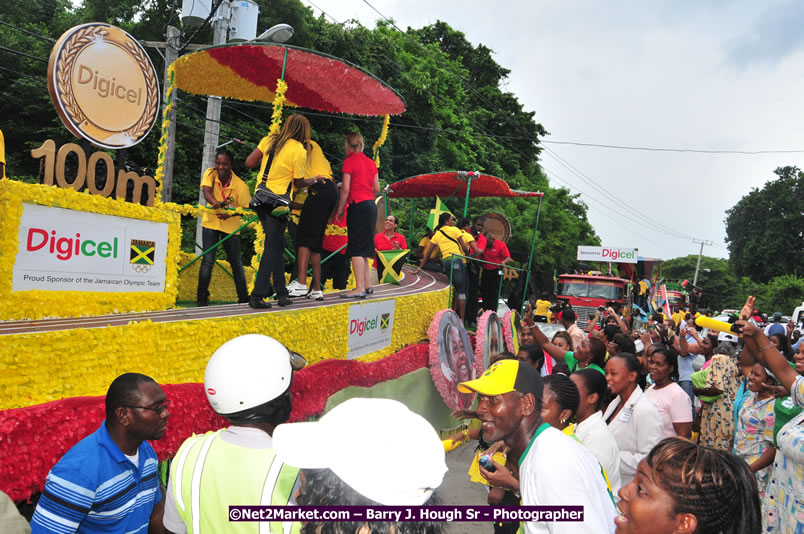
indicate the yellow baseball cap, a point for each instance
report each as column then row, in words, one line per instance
column 506, row 376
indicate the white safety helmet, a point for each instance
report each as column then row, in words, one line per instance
column 249, row 371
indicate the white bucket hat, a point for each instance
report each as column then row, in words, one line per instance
column 378, row 447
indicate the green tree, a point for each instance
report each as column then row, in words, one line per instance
column 458, row 117
column 765, row 229
column 721, row 287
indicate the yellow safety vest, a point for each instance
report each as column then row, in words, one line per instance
column 208, row 474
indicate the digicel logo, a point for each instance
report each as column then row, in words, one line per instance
column 616, row 254
column 362, row 326
column 66, row 247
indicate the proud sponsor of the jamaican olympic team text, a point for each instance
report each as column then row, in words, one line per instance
column 68, row 250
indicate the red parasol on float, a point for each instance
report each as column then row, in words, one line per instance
column 249, row 71
column 446, row 184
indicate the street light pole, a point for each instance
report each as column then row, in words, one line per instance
column 213, row 125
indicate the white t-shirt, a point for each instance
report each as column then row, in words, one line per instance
column 636, row 429
column 673, row 404
column 594, row 434
column 557, row 470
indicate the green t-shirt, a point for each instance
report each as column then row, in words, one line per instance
column 783, row 410
column 572, row 363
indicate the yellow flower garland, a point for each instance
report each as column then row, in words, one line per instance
column 381, row 140
column 39, row 304
column 163, row 141
column 177, row 352
column 279, row 104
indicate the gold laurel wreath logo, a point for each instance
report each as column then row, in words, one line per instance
column 149, row 115
column 64, row 69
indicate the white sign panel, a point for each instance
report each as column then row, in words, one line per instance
column 615, row 254
column 371, row 325
column 66, row 250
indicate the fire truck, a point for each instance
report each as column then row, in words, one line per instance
column 588, row 292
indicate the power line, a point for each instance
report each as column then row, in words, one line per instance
column 21, row 73
column 601, row 204
column 202, row 26
column 17, row 52
column 44, row 38
column 683, row 150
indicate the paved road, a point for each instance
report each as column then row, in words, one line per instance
column 456, row 489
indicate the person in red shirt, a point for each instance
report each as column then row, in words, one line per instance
column 361, row 183
column 495, row 252
column 336, row 267
column 389, row 239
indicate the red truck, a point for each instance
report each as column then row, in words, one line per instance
column 587, row 292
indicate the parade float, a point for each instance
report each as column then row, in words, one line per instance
column 92, row 263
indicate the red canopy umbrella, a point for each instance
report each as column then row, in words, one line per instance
column 453, row 184
column 248, row 71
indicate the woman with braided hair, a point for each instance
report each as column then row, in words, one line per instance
column 560, row 402
column 681, row 487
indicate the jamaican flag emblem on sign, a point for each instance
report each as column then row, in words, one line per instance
column 142, row 255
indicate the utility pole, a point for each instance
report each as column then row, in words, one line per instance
column 700, row 253
column 213, row 126
column 171, row 53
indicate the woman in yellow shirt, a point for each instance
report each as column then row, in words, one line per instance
column 322, row 198
column 289, row 155
column 447, row 237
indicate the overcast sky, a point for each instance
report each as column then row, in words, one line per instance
column 711, row 75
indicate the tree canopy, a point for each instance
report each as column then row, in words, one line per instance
column 765, row 229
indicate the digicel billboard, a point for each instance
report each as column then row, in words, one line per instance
column 66, row 250
column 613, row 254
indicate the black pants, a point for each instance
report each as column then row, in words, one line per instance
column 337, row 268
column 272, row 262
column 232, row 248
column 489, row 288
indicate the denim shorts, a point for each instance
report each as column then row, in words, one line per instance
column 458, row 275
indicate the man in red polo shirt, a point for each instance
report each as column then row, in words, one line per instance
column 495, row 251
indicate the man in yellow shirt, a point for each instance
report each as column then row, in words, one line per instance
column 2, row 156
column 222, row 189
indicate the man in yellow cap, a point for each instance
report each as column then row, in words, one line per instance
column 554, row 469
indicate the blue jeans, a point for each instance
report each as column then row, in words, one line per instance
column 458, row 275
column 686, row 385
column 232, row 248
column 272, row 262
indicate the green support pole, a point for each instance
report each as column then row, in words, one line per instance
column 449, row 302
column 385, row 201
column 410, row 223
column 530, row 258
column 251, row 220
column 466, row 202
column 218, row 263
column 310, row 270
column 499, row 289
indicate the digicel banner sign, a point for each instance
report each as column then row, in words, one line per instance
column 371, row 326
column 613, row 254
column 66, row 250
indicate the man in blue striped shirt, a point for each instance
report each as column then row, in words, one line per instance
column 108, row 481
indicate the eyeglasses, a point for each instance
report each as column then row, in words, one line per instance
column 159, row 409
